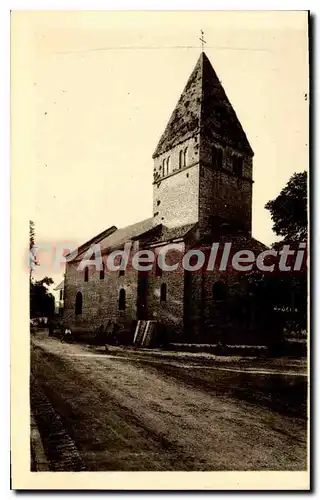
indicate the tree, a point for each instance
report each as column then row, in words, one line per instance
column 32, row 248
column 31, row 234
column 284, row 295
column 41, row 300
column 280, row 302
column 289, row 210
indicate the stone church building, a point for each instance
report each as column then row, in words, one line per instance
column 202, row 193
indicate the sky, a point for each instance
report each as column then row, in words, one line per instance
column 99, row 87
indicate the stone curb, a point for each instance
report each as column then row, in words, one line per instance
column 60, row 449
column 39, row 460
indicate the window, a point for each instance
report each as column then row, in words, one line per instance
column 61, row 294
column 158, row 268
column 86, row 274
column 163, row 292
column 237, row 165
column 220, row 159
column 78, row 308
column 102, row 272
column 122, row 271
column 185, row 157
column 122, row 299
column 214, row 157
column 217, row 158
column 168, row 165
column 164, row 167
column 219, row 291
column 181, row 159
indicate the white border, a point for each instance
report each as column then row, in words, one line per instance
column 4, row 170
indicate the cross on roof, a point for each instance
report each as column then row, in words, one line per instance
column 202, row 40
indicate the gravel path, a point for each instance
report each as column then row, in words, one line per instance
column 124, row 415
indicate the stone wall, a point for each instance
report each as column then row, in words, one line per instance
column 176, row 195
column 224, row 196
column 100, row 297
column 170, row 312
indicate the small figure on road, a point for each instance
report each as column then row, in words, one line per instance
column 51, row 327
column 67, row 334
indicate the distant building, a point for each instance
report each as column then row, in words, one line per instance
column 202, row 193
column 58, row 294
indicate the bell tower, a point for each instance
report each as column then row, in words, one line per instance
column 203, row 161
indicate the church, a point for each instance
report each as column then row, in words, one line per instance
column 202, row 193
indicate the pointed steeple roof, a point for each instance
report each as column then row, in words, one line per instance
column 203, row 106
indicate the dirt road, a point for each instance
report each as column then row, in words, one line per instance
column 100, row 412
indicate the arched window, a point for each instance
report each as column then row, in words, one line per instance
column 219, row 291
column 185, row 157
column 168, row 165
column 181, row 159
column 163, row 167
column 217, row 158
column 163, row 292
column 237, row 164
column 158, row 266
column 122, row 299
column 78, row 307
column 220, row 159
column 122, row 264
column 86, row 274
column 102, row 272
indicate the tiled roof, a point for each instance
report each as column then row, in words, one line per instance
column 243, row 241
column 82, row 248
column 124, row 234
column 163, row 233
column 147, row 230
column 109, row 241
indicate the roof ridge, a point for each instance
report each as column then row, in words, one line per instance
column 202, row 91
